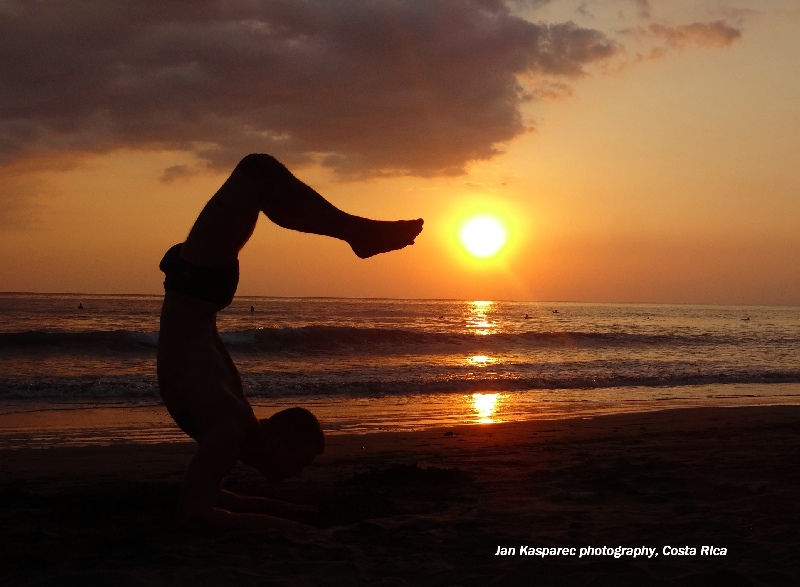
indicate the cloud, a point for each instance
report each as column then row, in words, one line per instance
column 176, row 172
column 364, row 86
column 674, row 38
column 739, row 15
column 583, row 10
column 698, row 34
column 644, row 8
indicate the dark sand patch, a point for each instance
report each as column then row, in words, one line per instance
column 431, row 509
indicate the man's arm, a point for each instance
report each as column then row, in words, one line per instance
column 201, row 501
column 261, row 505
column 203, row 480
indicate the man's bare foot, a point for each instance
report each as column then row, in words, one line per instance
column 371, row 237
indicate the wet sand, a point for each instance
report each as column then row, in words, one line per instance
column 434, row 507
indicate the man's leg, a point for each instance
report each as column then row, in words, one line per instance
column 262, row 184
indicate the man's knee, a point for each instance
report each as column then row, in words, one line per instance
column 263, row 165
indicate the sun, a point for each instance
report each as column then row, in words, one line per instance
column 483, row 236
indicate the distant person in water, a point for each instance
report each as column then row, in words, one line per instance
column 199, row 382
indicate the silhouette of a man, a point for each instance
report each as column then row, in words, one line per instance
column 199, row 382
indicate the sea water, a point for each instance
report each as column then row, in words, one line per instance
column 83, row 375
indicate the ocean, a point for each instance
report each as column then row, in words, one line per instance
column 77, row 376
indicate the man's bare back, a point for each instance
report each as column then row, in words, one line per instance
column 199, row 382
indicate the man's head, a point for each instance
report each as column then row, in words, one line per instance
column 284, row 444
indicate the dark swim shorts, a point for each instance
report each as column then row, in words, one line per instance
column 211, row 284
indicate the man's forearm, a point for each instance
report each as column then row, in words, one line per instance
column 220, row 518
column 241, row 503
column 235, row 503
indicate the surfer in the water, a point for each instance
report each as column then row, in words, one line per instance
column 199, row 382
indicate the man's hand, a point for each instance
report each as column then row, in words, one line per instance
column 203, row 502
column 261, row 505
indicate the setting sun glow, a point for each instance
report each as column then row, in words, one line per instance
column 483, row 236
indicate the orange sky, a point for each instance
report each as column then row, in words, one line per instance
column 647, row 153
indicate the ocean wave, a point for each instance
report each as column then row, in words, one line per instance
column 281, row 385
column 108, row 387
column 117, row 340
column 394, row 340
column 337, row 339
column 472, row 384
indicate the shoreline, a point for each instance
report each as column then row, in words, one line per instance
column 435, row 506
column 44, row 423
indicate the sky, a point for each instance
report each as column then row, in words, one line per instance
column 635, row 150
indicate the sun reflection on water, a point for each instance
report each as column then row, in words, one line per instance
column 478, row 317
column 485, row 406
column 480, row 360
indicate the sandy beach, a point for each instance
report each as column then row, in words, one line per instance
column 435, row 508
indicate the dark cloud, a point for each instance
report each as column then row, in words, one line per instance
column 368, row 87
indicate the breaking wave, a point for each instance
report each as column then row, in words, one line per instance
column 344, row 339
